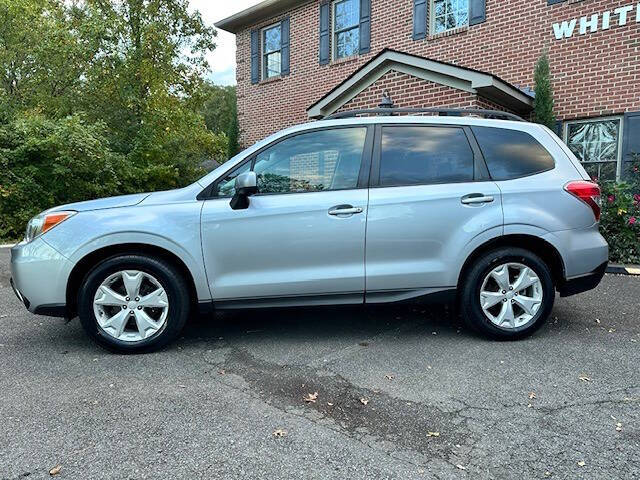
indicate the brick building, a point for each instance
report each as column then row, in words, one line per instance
column 305, row 59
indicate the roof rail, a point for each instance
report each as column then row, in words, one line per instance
column 495, row 114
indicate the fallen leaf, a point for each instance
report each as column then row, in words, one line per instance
column 584, row 378
column 433, row 434
column 529, row 406
column 597, row 320
column 389, row 377
column 55, row 470
column 330, row 404
column 279, row 433
column 611, row 330
column 221, row 372
column 547, row 473
column 364, row 401
column 581, row 463
column 532, row 395
column 180, row 385
column 311, row 397
column 618, row 427
column 461, row 467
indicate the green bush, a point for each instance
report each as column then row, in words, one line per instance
column 46, row 162
column 620, row 222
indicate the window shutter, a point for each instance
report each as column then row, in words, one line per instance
column 477, row 11
column 420, row 19
column 286, row 51
column 630, row 139
column 255, row 56
column 365, row 26
column 324, row 33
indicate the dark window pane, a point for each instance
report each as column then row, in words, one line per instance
column 511, row 153
column 423, row 155
column 312, row 162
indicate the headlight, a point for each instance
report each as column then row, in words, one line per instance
column 43, row 222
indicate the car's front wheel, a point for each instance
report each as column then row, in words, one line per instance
column 507, row 293
column 133, row 303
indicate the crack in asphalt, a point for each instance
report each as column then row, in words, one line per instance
column 384, row 420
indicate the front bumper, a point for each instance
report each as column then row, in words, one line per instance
column 39, row 275
column 583, row 283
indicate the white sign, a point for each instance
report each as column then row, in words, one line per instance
column 598, row 21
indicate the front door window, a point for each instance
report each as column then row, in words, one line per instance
column 312, row 162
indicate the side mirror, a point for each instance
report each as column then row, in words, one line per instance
column 246, row 184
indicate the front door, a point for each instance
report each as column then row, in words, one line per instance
column 430, row 198
column 302, row 236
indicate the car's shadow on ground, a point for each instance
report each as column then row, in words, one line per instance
column 323, row 323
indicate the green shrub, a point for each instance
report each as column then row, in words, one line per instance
column 44, row 163
column 620, row 222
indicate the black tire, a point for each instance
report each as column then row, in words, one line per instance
column 471, row 284
column 170, row 279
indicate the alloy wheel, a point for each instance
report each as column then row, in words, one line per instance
column 131, row 305
column 511, row 295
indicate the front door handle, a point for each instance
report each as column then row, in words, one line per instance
column 476, row 198
column 344, row 210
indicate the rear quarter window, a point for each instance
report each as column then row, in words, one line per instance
column 511, row 153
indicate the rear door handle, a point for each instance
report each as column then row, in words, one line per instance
column 344, row 210
column 476, row 198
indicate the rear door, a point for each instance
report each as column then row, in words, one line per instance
column 430, row 197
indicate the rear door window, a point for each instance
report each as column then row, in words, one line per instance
column 420, row 155
column 511, row 154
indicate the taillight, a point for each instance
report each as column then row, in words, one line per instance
column 588, row 192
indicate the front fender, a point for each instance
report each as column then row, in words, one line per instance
column 175, row 228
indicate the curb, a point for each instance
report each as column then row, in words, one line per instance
column 6, row 246
column 623, row 270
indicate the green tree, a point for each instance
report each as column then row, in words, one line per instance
column 219, row 107
column 543, row 103
column 124, row 76
column 46, row 162
column 233, row 146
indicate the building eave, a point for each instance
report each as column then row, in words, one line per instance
column 487, row 85
column 255, row 14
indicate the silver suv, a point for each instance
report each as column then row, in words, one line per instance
column 495, row 214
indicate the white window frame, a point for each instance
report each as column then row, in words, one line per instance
column 432, row 19
column 263, row 54
column 620, row 118
column 334, row 32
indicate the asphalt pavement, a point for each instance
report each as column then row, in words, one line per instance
column 385, row 392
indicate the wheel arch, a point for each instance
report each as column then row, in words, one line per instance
column 545, row 250
column 91, row 259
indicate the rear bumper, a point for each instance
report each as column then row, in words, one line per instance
column 583, row 283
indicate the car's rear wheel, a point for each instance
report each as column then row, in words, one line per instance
column 133, row 303
column 507, row 293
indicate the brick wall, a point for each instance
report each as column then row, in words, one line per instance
column 593, row 75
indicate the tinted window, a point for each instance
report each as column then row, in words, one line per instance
column 312, row 162
column 511, row 154
column 422, row 155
